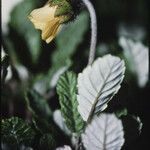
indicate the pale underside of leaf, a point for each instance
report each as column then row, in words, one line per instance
column 65, row 147
column 104, row 133
column 98, row 83
column 59, row 120
column 137, row 55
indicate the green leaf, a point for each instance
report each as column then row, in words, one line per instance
column 69, row 38
column 19, row 21
column 14, row 147
column 4, row 67
column 48, row 142
column 43, row 127
column 42, row 119
column 67, row 89
column 38, row 105
column 122, row 112
column 16, row 131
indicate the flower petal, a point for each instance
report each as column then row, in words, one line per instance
column 40, row 17
column 51, row 30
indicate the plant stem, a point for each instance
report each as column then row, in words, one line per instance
column 93, row 30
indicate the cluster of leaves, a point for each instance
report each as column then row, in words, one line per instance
column 59, row 106
column 16, row 131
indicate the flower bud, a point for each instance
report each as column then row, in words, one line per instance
column 50, row 17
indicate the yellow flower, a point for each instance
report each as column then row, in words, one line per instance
column 45, row 20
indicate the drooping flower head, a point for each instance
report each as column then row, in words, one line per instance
column 51, row 16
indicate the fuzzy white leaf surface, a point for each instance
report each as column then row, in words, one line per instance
column 2, row 53
column 105, row 132
column 7, row 6
column 59, row 120
column 39, row 87
column 22, row 72
column 56, row 76
column 65, row 147
column 137, row 55
column 9, row 71
column 98, row 83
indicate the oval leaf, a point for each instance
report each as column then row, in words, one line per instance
column 104, row 133
column 65, row 147
column 67, row 89
column 38, row 105
column 59, row 120
column 137, row 56
column 98, row 83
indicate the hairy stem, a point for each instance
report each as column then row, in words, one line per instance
column 93, row 32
